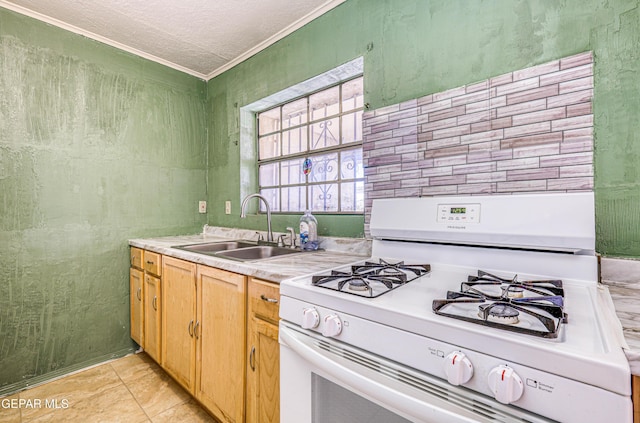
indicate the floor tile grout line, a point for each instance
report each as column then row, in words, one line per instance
column 132, row 394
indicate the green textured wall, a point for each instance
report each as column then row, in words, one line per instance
column 96, row 146
column 416, row 47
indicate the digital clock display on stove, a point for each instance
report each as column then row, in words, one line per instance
column 461, row 213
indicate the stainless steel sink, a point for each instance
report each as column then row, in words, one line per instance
column 212, row 248
column 257, row 253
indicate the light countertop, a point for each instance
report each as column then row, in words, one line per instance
column 337, row 251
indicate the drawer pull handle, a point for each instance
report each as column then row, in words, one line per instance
column 138, row 294
column 195, row 330
column 190, row 329
column 154, row 303
column 149, row 262
column 267, row 299
column 252, row 355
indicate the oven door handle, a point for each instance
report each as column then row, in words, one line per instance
column 403, row 402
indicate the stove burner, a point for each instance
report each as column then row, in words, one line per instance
column 515, row 292
column 357, row 284
column 499, row 313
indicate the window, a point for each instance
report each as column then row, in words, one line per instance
column 310, row 151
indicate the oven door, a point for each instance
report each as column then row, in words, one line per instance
column 326, row 381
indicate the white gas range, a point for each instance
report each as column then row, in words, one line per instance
column 472, row 309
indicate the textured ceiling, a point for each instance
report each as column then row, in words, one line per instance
column 200, row 37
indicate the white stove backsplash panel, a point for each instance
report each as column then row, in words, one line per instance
column 529, row 130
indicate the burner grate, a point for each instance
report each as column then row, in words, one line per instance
column 501, row 302
column 371, row 279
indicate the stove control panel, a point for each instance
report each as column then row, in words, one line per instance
column 459, row 213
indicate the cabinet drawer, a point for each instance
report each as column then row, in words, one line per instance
column 264, row 299
column 152, row 263
column 136, row 256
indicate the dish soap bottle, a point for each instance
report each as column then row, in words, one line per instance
column 308, row 231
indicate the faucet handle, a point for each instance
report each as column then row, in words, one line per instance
column 281, row 241
column 292, row 235
column 260, row 237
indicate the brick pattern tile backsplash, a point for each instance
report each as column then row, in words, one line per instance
column 529, row 130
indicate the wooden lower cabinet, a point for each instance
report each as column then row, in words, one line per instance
column 152, row 317
column 220, row 337
column 178, row 320
column 212, row 331
column 263, row 363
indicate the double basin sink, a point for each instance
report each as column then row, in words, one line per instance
column 238, row 250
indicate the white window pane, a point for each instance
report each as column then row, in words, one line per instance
column 324, row 168
column 352, row 127
column 294, row 114
column 292, row 172
column 324, row 134
column 293, row 199
column 273, row 197
column 269, row 175
column 351, row 166
column 327, row 120
column 352, row 196
column 294, row 141
column 269, row 146
column 352, row 95
column 324, row 197
column 269, row 121
column 325, row 103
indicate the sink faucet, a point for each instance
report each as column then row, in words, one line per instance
column 266, row 204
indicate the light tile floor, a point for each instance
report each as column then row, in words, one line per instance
column 130, row 390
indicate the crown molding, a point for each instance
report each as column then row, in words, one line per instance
column 277, row 37
column 266, row 43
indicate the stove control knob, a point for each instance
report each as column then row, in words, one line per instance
column 310, row 318
column 332, row 325
column 505, row 384
column 458, row 368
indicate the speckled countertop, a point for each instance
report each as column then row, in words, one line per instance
column 336, row 251
column 622, row 277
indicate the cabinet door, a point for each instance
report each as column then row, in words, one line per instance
column 152, row 316
column 263, row 366
column 136, row 305
column 221, row 336
column 267, row 373
column 178, row 320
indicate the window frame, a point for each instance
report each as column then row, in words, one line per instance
column 311, row 152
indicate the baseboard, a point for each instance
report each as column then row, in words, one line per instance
column 59, row 373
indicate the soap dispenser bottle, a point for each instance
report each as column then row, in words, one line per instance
column 308, row 231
